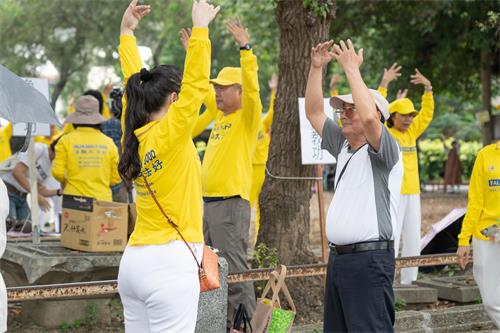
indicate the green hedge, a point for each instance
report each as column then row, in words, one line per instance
column 432, row 158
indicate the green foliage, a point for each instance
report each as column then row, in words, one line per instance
column 318, row 7
column 432, row 158
column 400, row 304
column 265, row 257
column 89, row 321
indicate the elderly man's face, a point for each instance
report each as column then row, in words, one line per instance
column 351, row 123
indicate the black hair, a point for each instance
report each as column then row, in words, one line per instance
column 97, row 95
column 146, row 93
column 390, row 121
column 94, row 126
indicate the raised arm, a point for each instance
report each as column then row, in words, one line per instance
column 180, row 119
column 425, row 116
column 390, row 75
column 267, row 122
column 210, row 104
column 350, row 61
column 320, row 56
column 130, row 59
column 250, row 96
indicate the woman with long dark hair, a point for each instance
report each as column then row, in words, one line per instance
column 158, row 277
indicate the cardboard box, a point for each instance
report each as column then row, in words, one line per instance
column 92, row 225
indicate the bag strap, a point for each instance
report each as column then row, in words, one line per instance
column 200, row 268
column 345, row 166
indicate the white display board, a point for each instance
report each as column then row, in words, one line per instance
column 310, row 141
column 38, row 129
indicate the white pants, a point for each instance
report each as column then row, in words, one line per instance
column 159, row 287
column 487, row 275
column 409, row 221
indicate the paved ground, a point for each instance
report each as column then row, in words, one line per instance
column 435, row 205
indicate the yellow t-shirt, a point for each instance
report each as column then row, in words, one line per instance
column 264, row 135
column 227, row 164
column 408, row 142
column 382, row 91
column 86, row 163
column 5, row 135
column 169, row 158
column 483, row 209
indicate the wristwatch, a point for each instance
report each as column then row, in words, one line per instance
column 58, row 192
column 246, row 47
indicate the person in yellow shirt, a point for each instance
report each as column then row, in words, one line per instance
column 406, row 124
column 261, row 153
column 235, row 106
column 86, row 159
column 482, row 222
column 158, row 276
column 5, row 135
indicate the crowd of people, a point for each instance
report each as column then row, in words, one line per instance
column 143, row 144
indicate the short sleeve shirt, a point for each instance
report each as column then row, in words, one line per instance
column 364, row 206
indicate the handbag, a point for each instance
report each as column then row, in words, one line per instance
column 241, row 324
column 208, row 269
column 269, row 316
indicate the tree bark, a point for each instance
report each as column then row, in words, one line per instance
column 284, row 204
column 485, row 71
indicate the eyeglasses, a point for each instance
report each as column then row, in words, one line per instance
column 345, row 108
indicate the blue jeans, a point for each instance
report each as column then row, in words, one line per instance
column 18, row 207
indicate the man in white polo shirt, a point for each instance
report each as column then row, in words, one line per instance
column 362, row 216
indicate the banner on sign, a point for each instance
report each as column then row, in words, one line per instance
column 310, row 140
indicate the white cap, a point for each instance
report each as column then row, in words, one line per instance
column 382, row 105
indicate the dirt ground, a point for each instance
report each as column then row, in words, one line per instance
column 435, row 205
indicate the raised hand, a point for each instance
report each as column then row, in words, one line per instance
column 392, row 73
column 401, row 93
column 418, row 78
column 108, row 88
column 203, row 13
column 346, row 55
column 273, row 83
column 321, row 54
column 185, row 34
column 238, row 31
column 132, row 16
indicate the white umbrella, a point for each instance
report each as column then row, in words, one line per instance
column 21, row 103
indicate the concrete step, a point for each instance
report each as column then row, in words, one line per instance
column 449, row 320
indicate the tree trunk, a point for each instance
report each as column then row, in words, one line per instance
column 284, row 204
column 485, row 71
column 59, row 87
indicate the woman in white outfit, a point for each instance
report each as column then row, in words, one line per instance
column 158, row 276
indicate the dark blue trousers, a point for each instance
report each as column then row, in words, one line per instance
column 359, row 295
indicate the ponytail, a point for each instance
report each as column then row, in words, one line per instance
column 146, row 92
column 136, row 116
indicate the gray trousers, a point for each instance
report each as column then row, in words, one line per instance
column 225, row 227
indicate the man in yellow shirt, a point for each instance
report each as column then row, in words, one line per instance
column 261, row 153
column 86, row 160
column 234, row 103
column 482, row 222
column 406, row 124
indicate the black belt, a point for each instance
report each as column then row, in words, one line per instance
column 13, row 190
column 212, row 199
column 361, row 247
